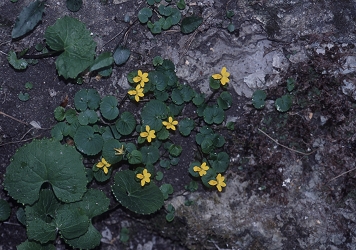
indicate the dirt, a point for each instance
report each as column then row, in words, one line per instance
column 291, row 181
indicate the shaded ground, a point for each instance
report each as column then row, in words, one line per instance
column 276, row 198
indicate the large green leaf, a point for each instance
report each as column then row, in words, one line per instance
column 153, row 113
column 150, row 154
column 32, row 245
column 71, row 223
column 70, row 36
column 142, row 200
column 87, row 141
column 109, row 153
column 28, row 19
column 108, row 107
column 89, row 240
column 45, row 161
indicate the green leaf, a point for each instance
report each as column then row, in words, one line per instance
column 126, row 124
column 290, row 84
column 134, row 157
column 175, row 150
column 159, row 79
column 141, row 200
column 213, row 114
column 108, row 107
column 5, row 210
column 45, row 161
column 225, row 100
column 185, row 126
column 104, row 60
column 21, row 216
column 177, row 96
column 87, row 117
column 24, row 96
column 59, row 113
column 144, row 14
column 71, row 223
column 109, row 153
column 121, row 55
column 58, row 131
column 124, row 235
column 181, row 4
column 99, row 174
column 189, row 24
column 19, row 64
column 258, row 98
column 153, row 113
column 230, row 14
column 74, row 5
column 221, row 163
column 213, row 83
column 284, row 103
column 191, row 170
column 28, row 85
column 150, row 154
column 165, row 163
column 70, row 36
column 231, row 28
column 199, row 99
column 157, row 60
column 156, row 27
column 89, row 240
column 86, row 98
column 159, row 176
column 33, row 245
column 87, row 141
column 166, row 190
column 192, row 186
column 28, row 19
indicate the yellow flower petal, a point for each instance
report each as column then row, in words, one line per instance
column 216, row 76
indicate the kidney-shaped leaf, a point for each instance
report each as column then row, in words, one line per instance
column 142, row 200
column 70, row 36
column 28, row 18
column 87, row 141
column 126, row 123
column 108, row 107
column 153, row 113
column 45, row 161
column 121, row 55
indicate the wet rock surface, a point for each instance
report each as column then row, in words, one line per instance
column 291, row 183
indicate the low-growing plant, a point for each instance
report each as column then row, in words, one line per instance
column 131, row 146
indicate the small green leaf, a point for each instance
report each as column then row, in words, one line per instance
column 28, row 85
column 141, row 200
column 290, row 84
column 104, row 60
column 144, row 14
column 87, row 117
column 126, row 124
column 24, row 96
column 181, row 4
column 165, row 163
column 87, row 141
column 157, row 61
column 45, row 161
column 191, row 168
column 108, row 107
column 21, row 216
column 225, row 100
column 70, row 36
column 124, row 235
column 59, row 113
column 159, row 176
column 19, row 64
column 231, row 28
column 150, row 154
column 159, row 79
column 28, row 19
column 284, row 103
column 5, row 210
column 89, row 240
column 156, row 27
column 121, row 55
column 230, row 14
column 185, row 126
column 86, row 98
column 74, row 5
column 175, row 150
column 166, row 190
column 199, row 99
column 213, row 114
column 258, row 99
column 134, row 157
column 189, row 24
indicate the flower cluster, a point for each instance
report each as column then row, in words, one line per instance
column 223, row 76
column 140, row 79
column 218, row 182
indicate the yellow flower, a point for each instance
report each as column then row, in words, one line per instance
column 144, row 177
column 104, row 165
column 223, row 76
column 202, row 169
column 138, row 92
column 142, row 78
column 219, row 182
column 150, row 134
column 119, row 151
column 170, row 124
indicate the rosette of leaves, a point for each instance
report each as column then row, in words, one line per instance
column 70, row 37
column 129, row 192
column 45, row 161
column 208, row 140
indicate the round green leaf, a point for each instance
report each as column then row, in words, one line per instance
column 159, row 79
column 150, row 154
column 87, row 117
column 189, row 24
column 109, row 153
column 19, row 64
column 153, row 113
column 221, row 163
column 166, row 190
column 258, row 98
column 134, row 157
column 141, row 200
column 99, row 174
column 213, row 114
column 186, row 126
column 5, row 210
column 284, row 103
column 199, row 99
column 86, row 98
column 165, row 163
column 207, row 145
column 159, row 176
column 74, row 5
column 177, row 97
column 58, row 131
column 214, row 83
column 121, row 55
column 87, row 141
column 24, row 96
column 175, row 150
column 126, row 124
column 59, row 113
column 225, row 100
column 45, row 161
column 108, row 107
column 144, row 14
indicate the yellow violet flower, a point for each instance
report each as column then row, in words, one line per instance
column 223, row 76
column 202, row 169
column 142, row 78
column 137, row 92
column 144, row 177
column 104, row 165
column 219, row 182
column 119, row 151
column 170, row 124
column 150, row 134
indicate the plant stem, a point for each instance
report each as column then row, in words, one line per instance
column 41, row 56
